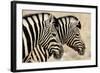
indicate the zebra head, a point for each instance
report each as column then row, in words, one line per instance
column 52, row 44
column 68, row 29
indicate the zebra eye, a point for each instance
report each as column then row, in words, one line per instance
column 53, row 34
column 77, row 34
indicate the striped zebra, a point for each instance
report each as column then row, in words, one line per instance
column 39, row 39
column 68, row 30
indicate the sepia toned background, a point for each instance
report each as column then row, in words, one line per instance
column 69, row 53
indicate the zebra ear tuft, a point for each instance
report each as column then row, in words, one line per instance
column 79, row 25
column 53, row 20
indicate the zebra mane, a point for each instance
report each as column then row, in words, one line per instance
column 74, row 17
column 29, row 15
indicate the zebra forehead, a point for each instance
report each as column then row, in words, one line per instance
column 75, row 20
column 76, row 25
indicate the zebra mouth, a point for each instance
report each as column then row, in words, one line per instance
column 57, row 54
column 80, row 51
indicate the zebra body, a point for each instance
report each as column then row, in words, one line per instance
column 68, row 30
column 39, row 42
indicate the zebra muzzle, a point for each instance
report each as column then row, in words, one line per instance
column 81, row 51
column 57, row 54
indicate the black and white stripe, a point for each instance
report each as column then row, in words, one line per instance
column 68, row 29
column 39, row 43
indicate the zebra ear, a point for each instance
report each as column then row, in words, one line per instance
column 49, row 22
column 54, row 21
column 79, row 25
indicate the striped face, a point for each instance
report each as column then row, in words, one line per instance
column 68, row 29
column 74, row 41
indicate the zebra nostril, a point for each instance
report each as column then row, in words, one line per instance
column 81, row 51
column 57, row 54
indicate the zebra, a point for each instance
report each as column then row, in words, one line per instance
column 68, row 30
column 39, row 39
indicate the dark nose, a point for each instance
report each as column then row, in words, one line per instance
column 82, row 50
column 84, row 46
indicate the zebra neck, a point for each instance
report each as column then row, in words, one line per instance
column 60, row 36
